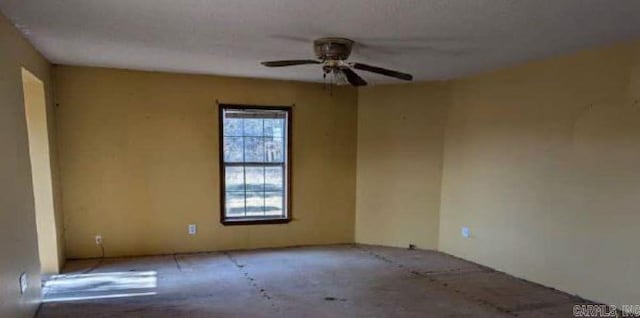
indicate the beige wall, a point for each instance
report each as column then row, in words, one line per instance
column 400, row 144
column 139, row 161
column 542, row 163
column 18, row 244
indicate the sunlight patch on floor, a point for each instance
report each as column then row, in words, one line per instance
column 74, row 287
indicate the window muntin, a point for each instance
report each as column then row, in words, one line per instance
column 254, row 164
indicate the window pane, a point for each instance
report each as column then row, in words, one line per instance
column 274, row 127
column 274, row 149
column 232, row 149
column 255, row 179
column 255, row 203
column 274, row 179
column 274, row 203
column 232, row 127
column 253, row 127
column 234, row 179
column 253, row 149
column 234, row 204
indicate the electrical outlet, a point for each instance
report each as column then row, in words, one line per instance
column 98, row 239
column 192, row 229
column 466, row 233
column 24, row 283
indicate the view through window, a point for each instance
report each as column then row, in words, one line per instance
column 254, row 159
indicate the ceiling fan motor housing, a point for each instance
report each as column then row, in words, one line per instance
column 332, row 48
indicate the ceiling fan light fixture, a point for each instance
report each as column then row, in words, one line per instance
column 339, row 78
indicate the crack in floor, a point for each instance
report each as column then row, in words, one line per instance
column 175, row 258
column 252, row 281
column 430, row 276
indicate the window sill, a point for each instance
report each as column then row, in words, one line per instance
column 255, row 221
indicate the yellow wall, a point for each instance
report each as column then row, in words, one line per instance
column 542, row 163
column 18, row 243
column 139, row 161
column 41, row 171
column 400, row 143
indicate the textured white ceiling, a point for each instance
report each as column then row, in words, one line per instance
column 432, row 39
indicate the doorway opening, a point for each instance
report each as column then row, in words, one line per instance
column 36, row 115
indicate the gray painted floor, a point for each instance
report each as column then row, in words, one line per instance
column 323, row 281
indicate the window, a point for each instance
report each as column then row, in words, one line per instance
column 254, row 164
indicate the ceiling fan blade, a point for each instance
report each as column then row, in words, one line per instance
column 383, row 71
column 353, row 78
column 289, row 63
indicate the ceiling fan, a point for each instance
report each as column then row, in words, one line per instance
column 332, row 54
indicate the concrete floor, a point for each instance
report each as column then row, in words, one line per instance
column 323, row 281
